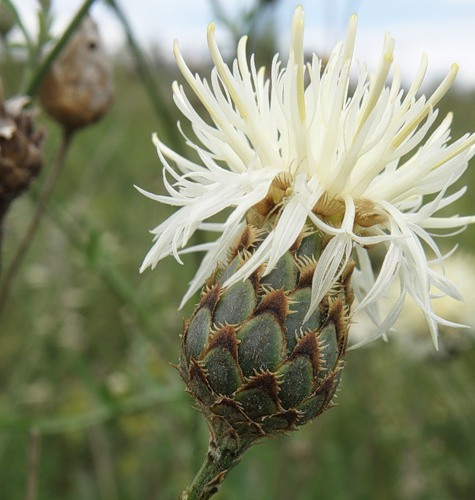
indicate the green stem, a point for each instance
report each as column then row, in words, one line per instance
column 212, row 473
column 34, row 452
column 1, row 239
column 224, row 452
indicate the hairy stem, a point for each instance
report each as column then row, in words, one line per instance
column 225, row 450
column 212, row 473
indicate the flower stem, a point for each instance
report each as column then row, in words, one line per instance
column 34, row 452
column 223, row 454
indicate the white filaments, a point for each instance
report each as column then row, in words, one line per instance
column 376, row 144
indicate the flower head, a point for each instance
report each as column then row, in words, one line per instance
column 303, row 146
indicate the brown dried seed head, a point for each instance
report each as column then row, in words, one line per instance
column 20, row 150
column 78, row 89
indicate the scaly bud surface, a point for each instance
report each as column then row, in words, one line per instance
column 252, row 361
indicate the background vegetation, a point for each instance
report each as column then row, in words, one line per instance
column 91, row 407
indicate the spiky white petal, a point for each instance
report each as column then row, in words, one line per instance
column 374, row 151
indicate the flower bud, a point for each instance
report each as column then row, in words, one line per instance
column 252, row 360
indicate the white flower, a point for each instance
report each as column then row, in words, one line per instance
column 411, row 323
column 356, row 163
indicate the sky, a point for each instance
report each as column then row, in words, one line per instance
column 444, row 29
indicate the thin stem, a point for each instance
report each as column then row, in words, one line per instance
column 46, row 191
column 103, row 462
column 212, row 473
column 1, row 239
column 33, row 464
column 224, row 452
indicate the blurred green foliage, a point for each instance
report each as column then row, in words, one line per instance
column 87, row 344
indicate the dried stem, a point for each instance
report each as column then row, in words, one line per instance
column 46, row 191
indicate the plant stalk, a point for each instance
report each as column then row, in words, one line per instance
column 214, row 469
column 225, row 450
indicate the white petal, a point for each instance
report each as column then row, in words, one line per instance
column 331, row 264
column 366, row 142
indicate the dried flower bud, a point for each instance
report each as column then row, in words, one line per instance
column 20, row 150
column 78, row 89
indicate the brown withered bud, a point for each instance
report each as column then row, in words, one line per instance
column 20, row 150
column 78, row 90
